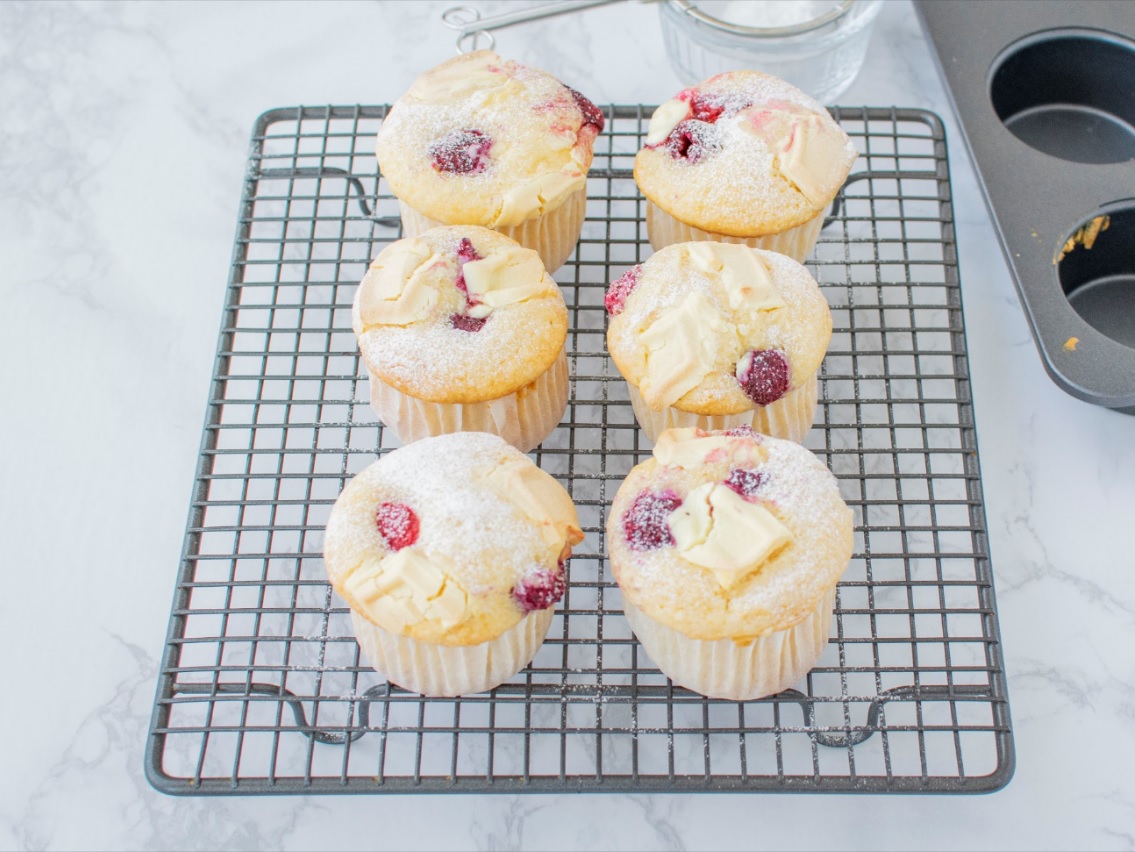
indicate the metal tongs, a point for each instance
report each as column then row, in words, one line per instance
column 472, row 28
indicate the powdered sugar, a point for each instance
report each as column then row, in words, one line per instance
column 803, row 495
column 740, row 185
column 801, row 329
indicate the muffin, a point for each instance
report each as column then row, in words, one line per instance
column 727, row 547
column 450, row 553
column 462, row 330
column 481, row 141
column 719, row 335
column 742, row 158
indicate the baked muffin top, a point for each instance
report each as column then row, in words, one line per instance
column 485, row 141
column 460, row 314
column 743, row 154
column 450, row 540
column 717, row 328
column 728, row 535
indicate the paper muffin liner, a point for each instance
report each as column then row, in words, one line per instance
column 552, row 236
column 523, row 418
column 664, row 230
column 741, row 672
column 448, row 670
column 789, row 417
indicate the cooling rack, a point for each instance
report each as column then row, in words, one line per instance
column 261, row 689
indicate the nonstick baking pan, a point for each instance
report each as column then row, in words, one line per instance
column 1045, row 93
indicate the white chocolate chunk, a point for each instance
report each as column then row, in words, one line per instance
column 396, row 289
column 808, row 158
column 680, row 348
column 742, row 272
column 458, row 78
column 665, row 119
column 506, row 277
column 539, row 195
column 541, row 499
column 684, row 448
column 407, row 586
column 718, row 529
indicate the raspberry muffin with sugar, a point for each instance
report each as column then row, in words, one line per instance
column 727, row 547
column 483, row 141
column 450, row 553
column 743, row 157
column 463, row 330
column 719, row 335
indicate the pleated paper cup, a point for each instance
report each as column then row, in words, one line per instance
column 553, row 235
column 724, row 668
column 447, row 670
column 790, row 417
column 797, row 243
column 523, row 418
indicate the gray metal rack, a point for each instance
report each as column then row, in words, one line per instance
column 261, row 688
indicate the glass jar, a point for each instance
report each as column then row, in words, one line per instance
column 817, row 45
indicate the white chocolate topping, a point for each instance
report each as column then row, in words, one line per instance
column 539, row 195
column 807, row 157
column 744, row 274
column 407, row 586
column 689, row 447
column 665, row 119
column 396, row 289
column 681, row 349
column 506, row 277
column 718, row 529
column 540, row 498
column 746, row 299
column 456, row 81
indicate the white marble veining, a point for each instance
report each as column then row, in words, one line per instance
column 123, row 134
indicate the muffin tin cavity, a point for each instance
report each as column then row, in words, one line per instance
column 1100, row 281
column 1070, row 94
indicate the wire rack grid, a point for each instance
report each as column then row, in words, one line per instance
column 261, row 688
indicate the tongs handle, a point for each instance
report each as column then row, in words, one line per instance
column 471, row 27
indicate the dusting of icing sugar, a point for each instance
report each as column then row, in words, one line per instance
column 450, row 352
column 801, row 329
column 434, row 144
column 620, row 288
column 646, row 523
column 461, row 152
column 486, row 539
column 799, row 491
column 740, row 184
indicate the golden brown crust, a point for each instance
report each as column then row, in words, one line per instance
column 801, row 328
column 474, row 529
column 539, row 142
column 739, row 189
column 433, row 361
column 797, row 489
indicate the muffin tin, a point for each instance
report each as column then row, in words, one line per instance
column 261, row 688
column 1045, row 92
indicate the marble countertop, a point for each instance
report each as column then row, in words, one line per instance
column 122, row 149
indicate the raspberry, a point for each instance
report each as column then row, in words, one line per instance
column 744, row 482
column 464, row 322
column 645, row 522
column 465, row 254
column 461, row 152
column 693, row 140
column 591, row 114
column 540, row 589
column 620, row 289
column 743, row 432
column 763, row 375
column 397, row 524
column 709, row 108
